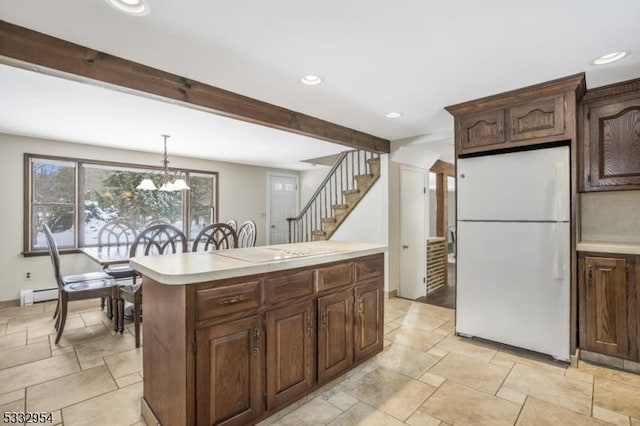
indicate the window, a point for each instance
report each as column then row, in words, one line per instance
column 76, row 198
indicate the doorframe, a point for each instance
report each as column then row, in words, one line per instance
column 425, row 174
column 268, row 184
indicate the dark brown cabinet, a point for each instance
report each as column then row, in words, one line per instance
column 335, row 334
column 230, row 365
column 608, row 305
column 532, row 115
column 611, row 137
column 369, row 319
column 290, row 353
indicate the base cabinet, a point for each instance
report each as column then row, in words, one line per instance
column 335, row 334
column 290, row 353
column 229, row 362
column 608, row 305
column 369, row 319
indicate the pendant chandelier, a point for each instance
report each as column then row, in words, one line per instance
column 171, row 181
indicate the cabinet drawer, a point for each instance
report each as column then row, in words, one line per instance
column 289, row 286
column 216, row 302
column 334, row 276
column 369, row 268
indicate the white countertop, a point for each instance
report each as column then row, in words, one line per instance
column 602, row 247
column 189, row 268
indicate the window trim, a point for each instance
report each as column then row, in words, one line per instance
column 27, row 251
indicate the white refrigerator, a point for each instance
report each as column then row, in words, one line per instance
column 513, row 249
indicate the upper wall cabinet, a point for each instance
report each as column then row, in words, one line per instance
column 537, row 114
column 610, row 142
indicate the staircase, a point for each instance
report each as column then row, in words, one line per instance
column 348, row 181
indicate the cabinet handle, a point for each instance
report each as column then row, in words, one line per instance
column 360, row 306
column 310, row 323
column 368, row 270
column 231, row 299
column 590, row 276
column 256, row 341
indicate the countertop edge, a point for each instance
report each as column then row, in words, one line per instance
column 248, row 268
column 613, row 248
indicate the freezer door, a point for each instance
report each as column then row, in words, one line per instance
column 513, row 284
column 528, row 185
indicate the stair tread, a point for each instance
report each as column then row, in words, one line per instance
column 363, row 176
column 351, row 191
column 319, row 233
column 328, row 220
column 340, row 206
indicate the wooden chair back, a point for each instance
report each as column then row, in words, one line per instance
column 233, row 224
column 247, row 234
column 157, row 240
column 217, row 236
column 54, row 254
column 116, row 233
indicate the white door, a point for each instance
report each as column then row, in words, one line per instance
column 283, row 203
column 413, row 232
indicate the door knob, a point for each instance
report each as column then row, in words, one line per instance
column 273, row 226
column 405, row 247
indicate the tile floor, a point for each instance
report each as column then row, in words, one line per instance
column 425, row 376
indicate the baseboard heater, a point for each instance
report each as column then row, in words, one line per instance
column 29, row 297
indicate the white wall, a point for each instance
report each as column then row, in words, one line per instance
column 368, row 222
column 241, row 189
column 310, row 180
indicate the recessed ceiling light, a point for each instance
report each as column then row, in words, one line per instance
column 393, row 115
column 131, row 7
column 311, row 79
column 609, row 57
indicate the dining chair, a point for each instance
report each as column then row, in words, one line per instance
column 233, row 224
column 117, row 235
column 74, row 287
column 154, row 240
column 247, row 234
column 217, row 236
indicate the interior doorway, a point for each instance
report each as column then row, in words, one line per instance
column 282, row 203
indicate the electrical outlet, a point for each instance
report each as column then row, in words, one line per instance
column 27, row 276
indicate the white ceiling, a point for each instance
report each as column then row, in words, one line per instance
column 413, row 56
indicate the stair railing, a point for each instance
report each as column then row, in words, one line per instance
column 340, row 178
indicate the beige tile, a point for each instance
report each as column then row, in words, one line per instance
column 580, row 375
column 548, row 386
column 610, row 374
column 503, row 363
column 422, row 419
column 390, row 326
column 128, row 380
column 39, row 339
column 541, row 413
column 362, row 414
column 125, row 363
column 95, row 318
column 396, row 303
column 531, row 360
column 468, row 347
column 37, row 372
column 315, row 412
column 461, row 405
column 430, row 310
column 390, row 316
column 338, row 398
column 23, row 354
column 617, row 397
column 47, row 328
column 96, row 349
column 432, row 379
column 635, row 422
column 437, row 352
column 414, row 337
column 20, row 311
column 12, row 407
column 422, row 321
column 92, row 363
column 61, row 351
column 13, row 340
column 68, row 390
column 406, row 360
column 6, row 398
column 79, row 336
column 511, row 395
column 120, row 407
column 395, row 394
column 471, row 372
column 22, row 323
column 3, row 329
column 79, row 306
column 610, row 416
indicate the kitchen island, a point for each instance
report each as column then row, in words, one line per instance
column 232, row 336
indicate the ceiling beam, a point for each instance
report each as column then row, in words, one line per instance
column 443, row 167
column 34, row 48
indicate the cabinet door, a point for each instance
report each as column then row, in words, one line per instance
column 606, row 298
column 614, row 141
column 369, row 319
column 479, row 130
column 290, row 353
column 539, row 119
column 229, row 362
column 335, row 334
